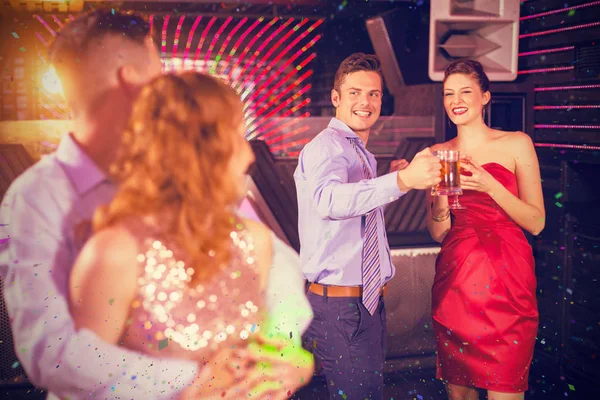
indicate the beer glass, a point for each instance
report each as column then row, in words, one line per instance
column 450, row 174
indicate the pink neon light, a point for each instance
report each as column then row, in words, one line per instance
column 286, row 91
column 215, row 38
column 286, row 125
column 203, row 37
column 150, row 20
column 288, row 101
column 289, row 123
column 260, row 49
column 282, row 81
column 52, row 32
column 41, row 39
column 567, row 28
column 291, row 144
column 558, row 126
column 54, row 112
column 188, row 45
column 42, row 59
column 252, row 73
column 285, row 65
column 540, row 70
column 237, row 44
column 556, row 88
column 288, row 135
column 566, row 107
column 71, row 17
column 177, row 34
column 568, row 146
column 284, row 52
column 251, row 43
column 164, row 35
column 226, row 43
column 543, row 14
column 289, row 111
column 546, row 51
column 58, row 22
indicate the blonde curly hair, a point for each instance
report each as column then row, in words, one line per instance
column 173, row 162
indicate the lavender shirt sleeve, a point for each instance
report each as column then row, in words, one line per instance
column 326, row 167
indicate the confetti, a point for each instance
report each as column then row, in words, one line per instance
column 15, row 364
column 163, row 343
column 571, row 387
column 15, row 35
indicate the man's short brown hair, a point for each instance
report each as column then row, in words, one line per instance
column 74, row 39
column 354, row 63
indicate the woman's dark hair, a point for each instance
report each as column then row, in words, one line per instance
column 469, row 67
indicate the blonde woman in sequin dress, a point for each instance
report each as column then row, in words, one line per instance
column 171, row 270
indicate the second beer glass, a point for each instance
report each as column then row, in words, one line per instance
column 450, row 174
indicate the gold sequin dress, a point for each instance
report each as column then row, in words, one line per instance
column 170, row 317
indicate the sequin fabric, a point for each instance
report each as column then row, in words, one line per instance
column 172, row 316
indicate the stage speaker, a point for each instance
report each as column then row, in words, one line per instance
column 482, row 30
column 400, row 39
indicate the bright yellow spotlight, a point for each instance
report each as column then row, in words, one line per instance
column 51, row 83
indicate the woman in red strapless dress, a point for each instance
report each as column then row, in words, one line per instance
column 484, row 305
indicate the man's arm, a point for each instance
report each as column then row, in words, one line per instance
column 35, row 263
column 325, row 166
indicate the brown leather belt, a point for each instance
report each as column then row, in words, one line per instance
column 340, row 291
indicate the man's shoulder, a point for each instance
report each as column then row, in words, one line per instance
column 327, row 140
column 43, row 177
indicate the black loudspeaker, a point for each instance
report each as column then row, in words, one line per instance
column 401, row 40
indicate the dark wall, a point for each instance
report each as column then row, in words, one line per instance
column 341, row 37
column 563, row 119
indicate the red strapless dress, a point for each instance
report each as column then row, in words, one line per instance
column 484, row 305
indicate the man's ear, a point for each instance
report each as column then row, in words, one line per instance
column 129, row 79
column 335, row 98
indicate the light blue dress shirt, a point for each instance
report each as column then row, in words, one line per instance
column 333, row 199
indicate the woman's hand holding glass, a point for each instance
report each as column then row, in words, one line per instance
column 451, row 178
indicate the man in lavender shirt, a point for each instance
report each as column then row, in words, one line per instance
column 344, row 250
column 102, row 58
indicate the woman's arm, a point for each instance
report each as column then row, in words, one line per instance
column 263, row 248
column 103, row 283
column 438, row 216
column 527, row 210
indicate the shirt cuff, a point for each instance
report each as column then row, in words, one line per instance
column 387, row 189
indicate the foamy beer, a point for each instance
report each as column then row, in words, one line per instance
column 450, row 173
